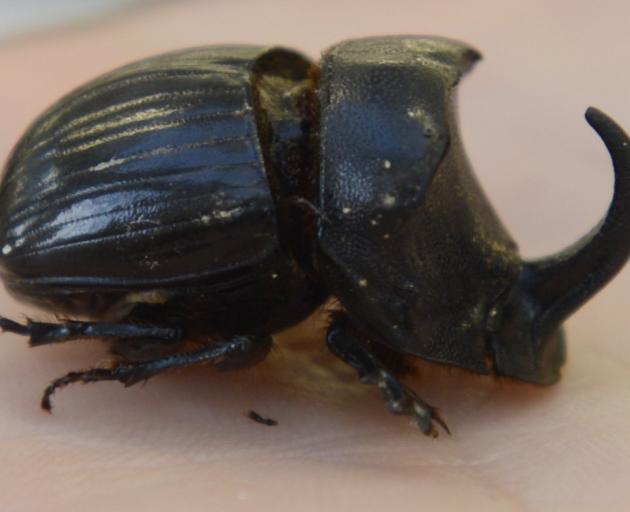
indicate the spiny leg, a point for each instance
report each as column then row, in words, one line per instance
column 42, row 333
column 236, row 353
column 399, row 399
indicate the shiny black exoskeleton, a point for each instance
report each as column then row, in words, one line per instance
column 218, row 195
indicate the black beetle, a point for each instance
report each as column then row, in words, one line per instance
column 218, row 195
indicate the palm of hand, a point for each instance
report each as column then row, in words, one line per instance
column 185, row 434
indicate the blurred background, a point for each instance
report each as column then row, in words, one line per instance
column 26, row 16
column 544, row 170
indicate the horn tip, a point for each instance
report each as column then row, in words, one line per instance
column 595, row 116
column 612, row 134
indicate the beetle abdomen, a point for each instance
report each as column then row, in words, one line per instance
column 144, row 175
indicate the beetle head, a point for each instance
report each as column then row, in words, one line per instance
column 520, row 348
column 525, row 330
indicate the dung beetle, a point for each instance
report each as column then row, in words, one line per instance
column 187, row 207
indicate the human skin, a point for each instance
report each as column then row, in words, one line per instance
column 182, row 441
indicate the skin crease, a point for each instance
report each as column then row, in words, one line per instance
column 183, row 441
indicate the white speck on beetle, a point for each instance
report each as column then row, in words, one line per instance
column 106, row 165
column 346, row 210
column 386, row 236
column 146, row 297
column 274, row 275
column 219, row 214
column 374, row 222
column 151, row 264
column 363, row 282
column 7, row 249
column 389, row 200
column 387, row 164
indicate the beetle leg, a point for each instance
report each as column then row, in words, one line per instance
column 41, row 333
column 226, row 355
column 399, row 399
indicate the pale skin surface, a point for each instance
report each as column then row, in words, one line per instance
column 182, row 442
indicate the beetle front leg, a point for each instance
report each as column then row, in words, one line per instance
column 238, row 352
column 399, row 399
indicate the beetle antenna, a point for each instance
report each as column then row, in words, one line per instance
column 563, row 282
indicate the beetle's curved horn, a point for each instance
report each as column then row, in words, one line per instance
column 561, row 283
